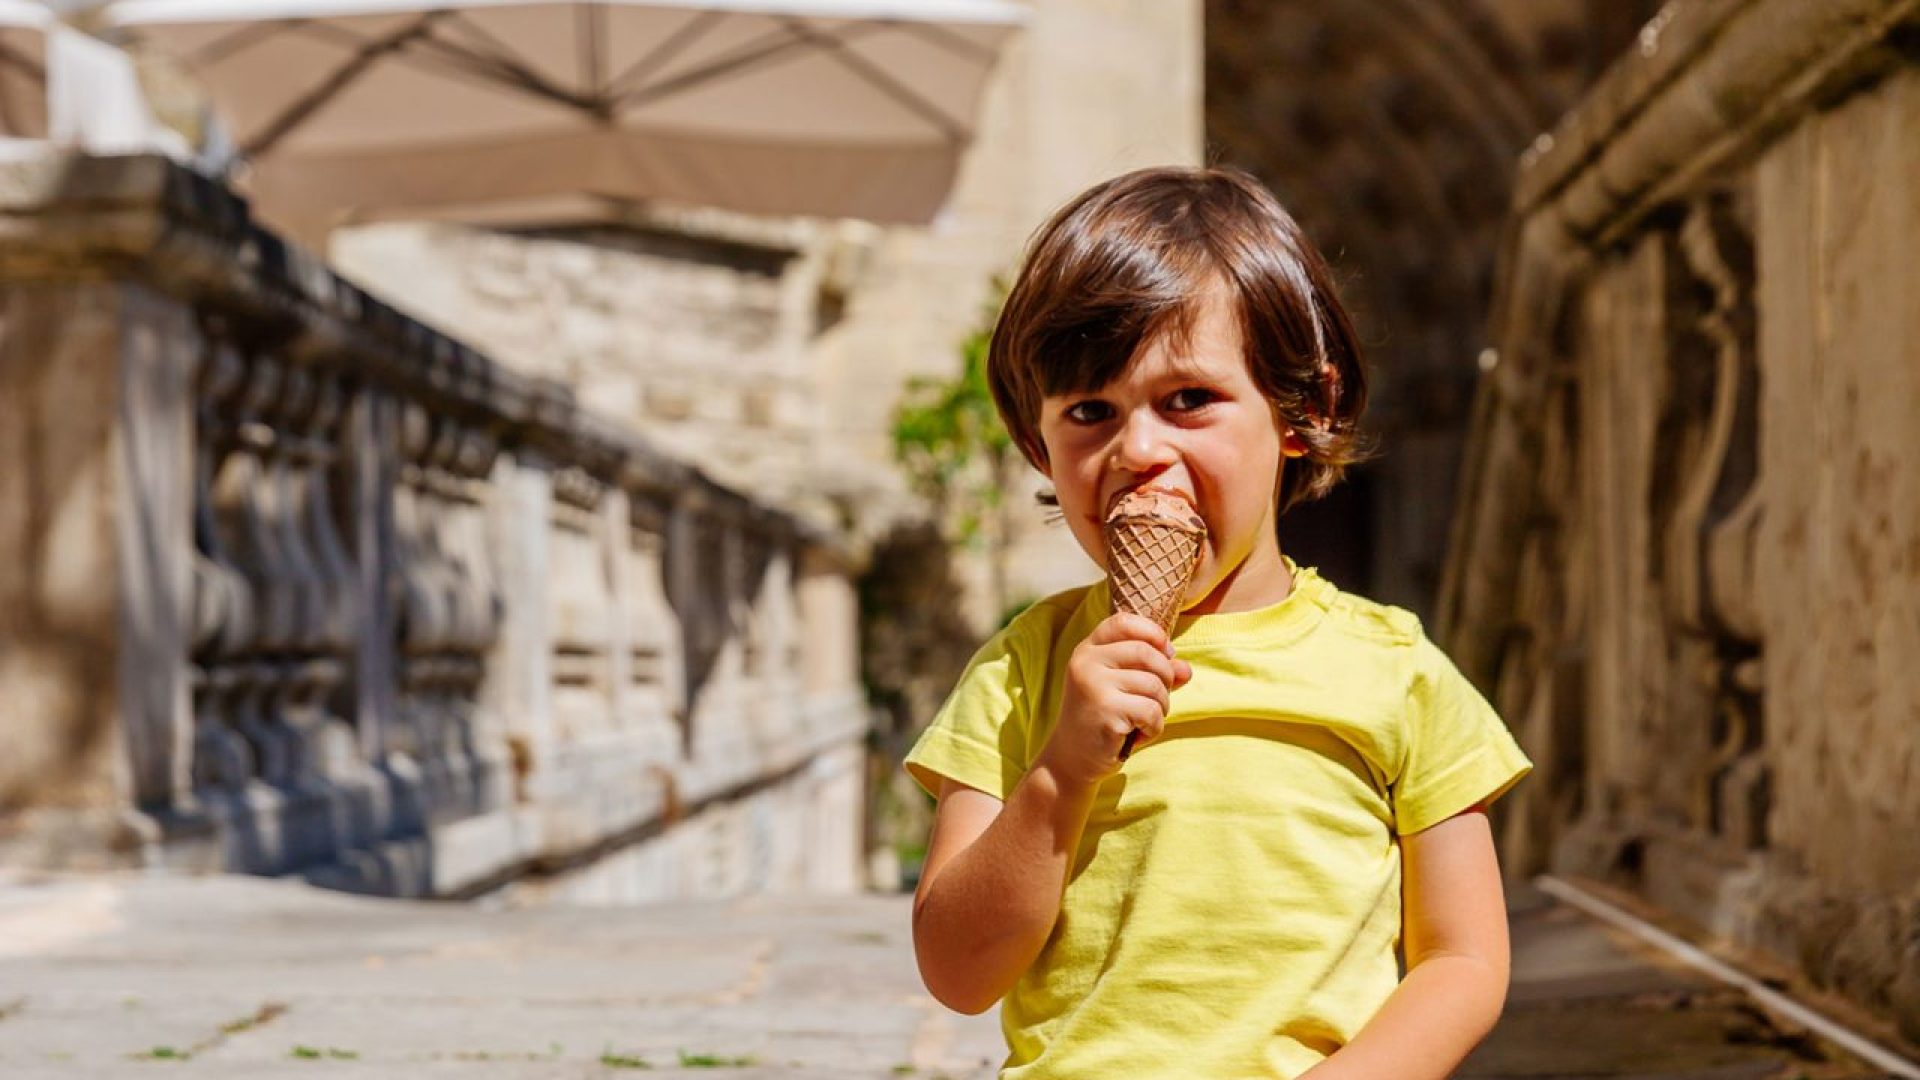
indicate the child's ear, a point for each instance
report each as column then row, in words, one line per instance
column 1292, row 445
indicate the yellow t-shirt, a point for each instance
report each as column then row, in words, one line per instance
column 1233, row 910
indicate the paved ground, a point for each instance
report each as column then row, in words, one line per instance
column 121, row 978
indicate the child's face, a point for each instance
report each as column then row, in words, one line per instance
column 1188, row 416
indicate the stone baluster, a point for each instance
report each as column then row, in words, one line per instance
column 432, row 674
column 321, row 703
column 417, row 600
column 451, row 609
column 479, row 608
column 240, row 496
column 224, row 607
column 691, row 558
column 655, row 669
column 579, row 590
column 519, row 688
column 1710, row 586
column 287, row 466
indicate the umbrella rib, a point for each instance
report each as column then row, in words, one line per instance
column 333, row 84
column 245, row 37
column 500, row 58
column 442, row 57
column 456, row 57
column 903, row 95
column 767, row 49
column 666, row 52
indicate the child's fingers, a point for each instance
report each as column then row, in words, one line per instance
column 1147, row 719
column 1138, row 656
column 1182, row 674
column 1144, row 684
column 1094, row 665
column 1127, row 626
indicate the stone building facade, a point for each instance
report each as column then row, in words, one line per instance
column 1687, row 561
column 1390, row 129
column 774, row 352
column 1658, row 502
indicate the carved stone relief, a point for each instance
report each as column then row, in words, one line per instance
column 1711, row 531
column 450, row 609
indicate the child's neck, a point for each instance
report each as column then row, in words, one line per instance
column 1262, row 579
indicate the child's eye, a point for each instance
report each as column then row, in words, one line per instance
column 1193, row 397
column 1088, row 412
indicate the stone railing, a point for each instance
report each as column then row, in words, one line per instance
column 1687, row 562
column 292, row 584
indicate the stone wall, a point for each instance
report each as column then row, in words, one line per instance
column 293, row 584
column 1688, row 562
column 1389, row 129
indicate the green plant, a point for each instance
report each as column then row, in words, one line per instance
column 955, row 453
column 713, row 1061
column 623, row 1061
column 315, row 1053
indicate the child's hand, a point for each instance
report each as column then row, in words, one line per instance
column 1118, row 681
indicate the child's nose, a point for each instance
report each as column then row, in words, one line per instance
column 1144, row 444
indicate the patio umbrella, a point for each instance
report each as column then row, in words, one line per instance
column 356, row 109
column 23, row 69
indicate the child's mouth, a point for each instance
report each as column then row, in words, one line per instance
column 1150, row 488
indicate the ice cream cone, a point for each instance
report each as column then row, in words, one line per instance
column 1153, row 547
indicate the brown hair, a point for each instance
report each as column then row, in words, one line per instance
column 1132, row 258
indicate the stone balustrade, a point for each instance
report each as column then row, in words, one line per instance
column 293, row 584
column 1687, row 562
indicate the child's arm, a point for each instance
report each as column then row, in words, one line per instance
column 1000, row 870
column 990, row 889
column 1455, row 922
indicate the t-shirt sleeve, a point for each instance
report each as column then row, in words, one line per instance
column 1458, row 752
column 979, row 735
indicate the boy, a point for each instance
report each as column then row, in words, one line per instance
column 1227, row 902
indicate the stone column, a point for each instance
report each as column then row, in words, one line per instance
column 96, row 503
column 520, row 686
column 373, row 447
column 828, row 618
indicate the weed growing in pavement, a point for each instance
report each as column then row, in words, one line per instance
column 315, row 1053
column 623, row 1061
column 714, row 1061
column 551, row 1053
column 263, row 1014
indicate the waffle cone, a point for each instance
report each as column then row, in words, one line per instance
column 1150, row 561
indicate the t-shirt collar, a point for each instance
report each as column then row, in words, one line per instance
column 1280, row 621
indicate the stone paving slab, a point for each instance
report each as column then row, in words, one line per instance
column 217, row 978
column 1588, row 1002
column 119, row 977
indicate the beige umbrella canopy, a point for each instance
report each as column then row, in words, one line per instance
column 23, row 69
column 355, row 109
